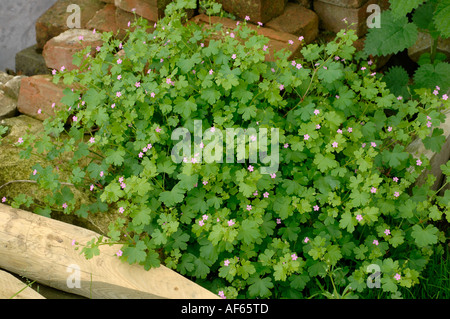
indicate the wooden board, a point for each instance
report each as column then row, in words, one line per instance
column 10, row 286
column 40, row 249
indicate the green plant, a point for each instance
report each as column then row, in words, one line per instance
column 343, row 198
column 398, row 32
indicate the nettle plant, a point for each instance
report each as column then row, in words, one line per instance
column 399, row 30
column 343, row 197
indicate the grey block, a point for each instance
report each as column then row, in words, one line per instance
column 30, row 62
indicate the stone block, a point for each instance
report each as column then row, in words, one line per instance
column 59, row 50
column 30, row 61
column 346, row 3
column 332, row 16
column 297, row 20
column 54, row 21
column 8, row 106
column 258, row 10
column 423, row 45
column 12, row 87
column 36, row 93
column 277, row 40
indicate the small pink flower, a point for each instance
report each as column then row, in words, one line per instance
column 291, row 42
column 437, row 88
column 375, row 242
column 119, row 253
column 294, row 257
column 221, row 294
column 395, row 179
column 64, row 205
column 63, row 68
column 250, row 168
column 445, row 97
column 113, row 105
column 387, row 232
column 249, row 207
column 281, row 87
column 121, row 210
column 53, row 71
column 266, row 195
column 211, row 72
column 278, row 221
column 373, row 144
column 316, row 208
column 397, row 276
column 233, row 56
column 301, row 38
column 205, row 217
column 91, row 188
column 141, row 154
column 39, row 111
column 316, row 112
column 80, row 37
column 20, row 140
column 400, row 98
column 213, row 129
column 286, row 145
column 373, row 190
column 265, row 47
column 93, row 31
column 436, row 92
column 247, row 18
column 75, row 118
column 339, row 131
column 226, row 263
column 129, row 23
column 158, row 129
column 137, row 84
column 119, row 61
column 273, row 175
column 152, row 94
column 92, row 140
column 306, row 240
column 3, row 199
column 363, row 145
column 359, row 217
column 230, row 222
column 201, row 223
column 429, row 124
column 419, row 162
column 335, row 144
column 232, row 35
column 389, row 129
column 318, row 126
column 306, row 137
column 119, row 94
column 119, row 77
column 34, row 172
column 260, row 24
column 205, row 182
column 349, row 130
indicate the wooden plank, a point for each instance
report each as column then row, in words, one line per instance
column 40, row 248
column 10, row 286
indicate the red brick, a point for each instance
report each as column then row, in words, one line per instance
column 59, row 50
column 54, row 21
column 111, row 19
column 331, row 16
column 297, row 20
column 39, row 92
column 277, row 40
column 149, row 9
column 258, row 10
